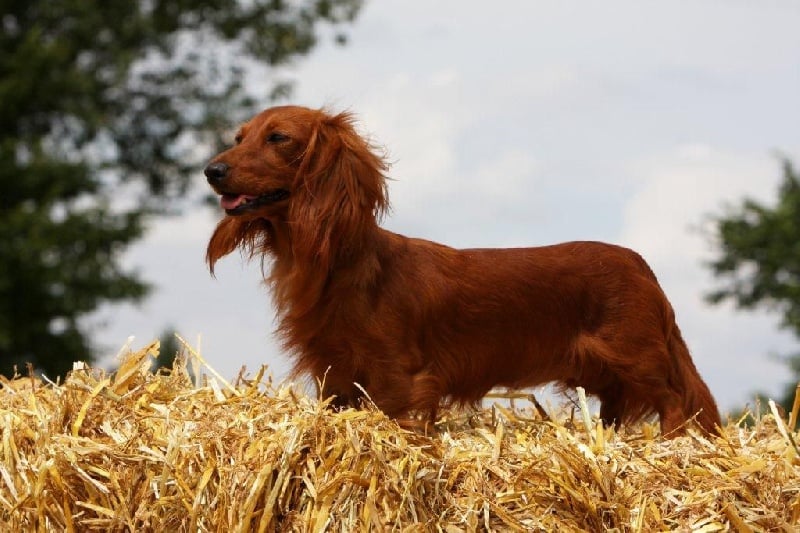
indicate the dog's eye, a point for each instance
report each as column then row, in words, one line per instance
column 238, row 138
column 276, row 137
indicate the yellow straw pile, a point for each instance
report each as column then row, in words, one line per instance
column 137, row 451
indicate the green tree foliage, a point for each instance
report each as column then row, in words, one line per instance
column 759, row 260
column 103, row 106
column 169, row 350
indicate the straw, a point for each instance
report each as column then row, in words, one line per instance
column 143, row 451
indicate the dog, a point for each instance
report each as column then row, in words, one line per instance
column 416, row 324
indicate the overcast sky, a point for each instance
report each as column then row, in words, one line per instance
column 531, row 123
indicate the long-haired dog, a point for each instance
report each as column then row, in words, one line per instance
column 414, row 323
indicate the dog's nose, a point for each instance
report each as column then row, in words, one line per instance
column 216, row 172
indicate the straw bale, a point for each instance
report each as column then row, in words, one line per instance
column 143, row 451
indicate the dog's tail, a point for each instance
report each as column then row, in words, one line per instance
column 698, row 403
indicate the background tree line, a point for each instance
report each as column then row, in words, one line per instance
column 758, row 263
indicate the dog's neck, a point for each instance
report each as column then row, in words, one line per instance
column 304, row 281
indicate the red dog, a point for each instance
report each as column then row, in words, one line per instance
column 414, row 322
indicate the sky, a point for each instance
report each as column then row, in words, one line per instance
column 531, row 123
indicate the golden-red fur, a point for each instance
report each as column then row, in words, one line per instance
column 416, row 323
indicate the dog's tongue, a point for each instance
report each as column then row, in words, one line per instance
column 232, row 201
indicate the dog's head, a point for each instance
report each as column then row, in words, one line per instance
column 304, row 170
column 255, row 177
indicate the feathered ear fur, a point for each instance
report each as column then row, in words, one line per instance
column 340, row 191
column 254, row 236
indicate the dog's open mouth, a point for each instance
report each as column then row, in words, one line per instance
column 236, row 204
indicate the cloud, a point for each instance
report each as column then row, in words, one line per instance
column 678, row 189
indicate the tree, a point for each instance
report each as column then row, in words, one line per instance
column 169, row 349
column 759, row 260
column 104, row 106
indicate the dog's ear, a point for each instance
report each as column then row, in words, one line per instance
column 233, row 232
column 340, row 191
